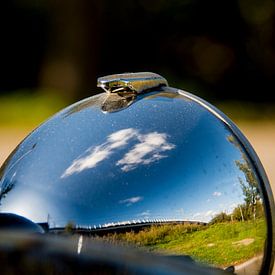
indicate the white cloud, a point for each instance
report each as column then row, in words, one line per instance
column 210, row 213
column 95, row 156
column 197, row 215
column 120, row 138
column 131, row 201
column 147, row 150
column 204, row 216
column 217, row 194
column 231, row 208
column 145, row 213
column 180, row 211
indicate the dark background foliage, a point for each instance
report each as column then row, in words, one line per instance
column 218, row 49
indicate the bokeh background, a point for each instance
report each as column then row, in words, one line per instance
column 52, row 52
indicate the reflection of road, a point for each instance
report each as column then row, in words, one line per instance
column 251, row 267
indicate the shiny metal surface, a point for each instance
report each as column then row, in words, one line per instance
column 134, row 82
column 27, row 254
column 164, row 158
column 13, row 222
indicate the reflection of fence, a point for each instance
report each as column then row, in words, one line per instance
column 121, row 227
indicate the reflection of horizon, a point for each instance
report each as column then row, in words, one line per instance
column 130, row 223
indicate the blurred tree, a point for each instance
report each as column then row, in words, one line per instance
column 221, row 217
column 250, row 190
column 242, row 212
column 23, row 29
column 222, row 48
column 238, row 213
column 72, row 58
column 70, row 227
column 250, row 186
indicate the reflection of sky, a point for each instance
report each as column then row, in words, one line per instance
column 152, row 160
column 147, row 150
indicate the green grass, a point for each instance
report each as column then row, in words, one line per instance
column 212, row 244
column 25, row 110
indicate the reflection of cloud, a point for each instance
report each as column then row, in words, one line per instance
column 131, row 201
column 231, row 208
column 95, row 155
column 196, row 215
column 145, row 213
column 210, row 213
column 217, row 194
column 203, row 215
column 147, row 150
column 180, row 210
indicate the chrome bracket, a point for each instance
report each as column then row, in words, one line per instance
column 131, row 82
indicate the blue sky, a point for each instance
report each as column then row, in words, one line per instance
column 152, row 160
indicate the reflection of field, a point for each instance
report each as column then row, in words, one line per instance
column 221, row 244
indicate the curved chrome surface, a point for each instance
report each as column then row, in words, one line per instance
column 133, row 82
column 165, row 159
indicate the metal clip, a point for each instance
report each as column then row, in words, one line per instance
column 131, row 82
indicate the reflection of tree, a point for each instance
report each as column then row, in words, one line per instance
column 221, row 217
column 242, row 212
column 8, row 184
column 70, row 227
column 252, row 207
column 250, row 187
column 5, row 190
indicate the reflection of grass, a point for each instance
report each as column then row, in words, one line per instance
column 213, row 244
column 22, row 109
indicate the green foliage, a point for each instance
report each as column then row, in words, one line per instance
column 219, row 244
column 242, row 212
column 250, row 188
column 153, row 235
column 70, row 227
column 221, row 217
column 247, row 213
